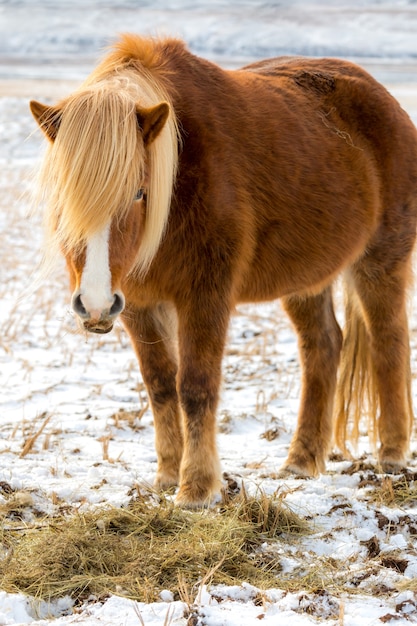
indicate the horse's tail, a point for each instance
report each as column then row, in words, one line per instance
column 357, row 391
column 356, row 384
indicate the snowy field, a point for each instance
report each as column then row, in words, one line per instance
column 75, row 428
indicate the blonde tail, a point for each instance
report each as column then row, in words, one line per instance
column 357, row 390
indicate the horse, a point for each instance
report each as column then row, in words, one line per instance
column 176, row 190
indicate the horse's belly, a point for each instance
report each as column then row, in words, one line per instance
column 262, row 287
column 279, row 269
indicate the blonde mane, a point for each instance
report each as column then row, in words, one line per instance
column 98, row 161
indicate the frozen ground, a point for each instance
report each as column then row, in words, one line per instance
column 66, row 391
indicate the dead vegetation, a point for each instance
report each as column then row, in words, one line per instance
column 389, row 490
column 398, row 491
column 144, row 548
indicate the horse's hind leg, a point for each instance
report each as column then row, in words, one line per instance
column 320, row 341
column 152, row 336
column 381, row 282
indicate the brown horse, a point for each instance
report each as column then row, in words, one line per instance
column 177, row 189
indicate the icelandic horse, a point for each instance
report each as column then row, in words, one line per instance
column 176, row 190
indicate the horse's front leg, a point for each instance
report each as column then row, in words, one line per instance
column 202, row 331
column 152, row 332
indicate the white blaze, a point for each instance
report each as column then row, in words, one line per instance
column 95, row 288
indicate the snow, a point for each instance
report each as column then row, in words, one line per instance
column 89, row 453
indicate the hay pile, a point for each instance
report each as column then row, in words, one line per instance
column 144, row 548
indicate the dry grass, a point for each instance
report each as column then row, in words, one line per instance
column 30, row 441
column 393, row 491
column 400, row 492
column 144, row 548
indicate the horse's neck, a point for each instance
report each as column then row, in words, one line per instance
column 206, row 98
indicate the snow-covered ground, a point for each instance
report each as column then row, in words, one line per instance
column 69, row 391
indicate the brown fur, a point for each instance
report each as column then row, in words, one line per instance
column 290, row 172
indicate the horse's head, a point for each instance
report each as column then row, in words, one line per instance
column 99, row 268
column 108, row 192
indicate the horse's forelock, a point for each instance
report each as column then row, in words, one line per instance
column 97, row 162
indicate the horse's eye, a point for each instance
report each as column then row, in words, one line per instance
column 139, row 194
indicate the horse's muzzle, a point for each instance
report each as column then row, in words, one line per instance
column 97, row 319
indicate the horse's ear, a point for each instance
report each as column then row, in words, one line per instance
column 152, row 120
column 47, row 117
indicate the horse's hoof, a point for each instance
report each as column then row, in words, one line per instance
column 303, row 465
column 392, row 460
column 392, row 467
column 165, row 482
column 189, row 498
column 292, row 471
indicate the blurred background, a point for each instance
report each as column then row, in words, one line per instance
column 61, row 39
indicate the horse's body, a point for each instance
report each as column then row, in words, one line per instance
column 288, row 172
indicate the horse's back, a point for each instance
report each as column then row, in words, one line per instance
column 343, row 88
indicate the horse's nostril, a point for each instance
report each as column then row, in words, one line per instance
column 88, row 309
column 78, row 307
column 118, row 304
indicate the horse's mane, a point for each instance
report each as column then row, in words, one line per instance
column 97, row 162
